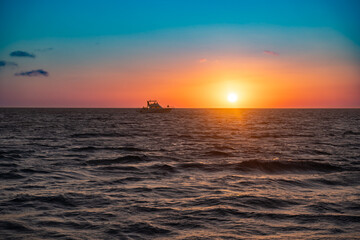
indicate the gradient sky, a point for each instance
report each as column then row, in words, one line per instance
column 182, row 53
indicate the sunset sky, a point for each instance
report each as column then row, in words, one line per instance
column 274, row 54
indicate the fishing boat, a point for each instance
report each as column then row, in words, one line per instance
column 154, row 107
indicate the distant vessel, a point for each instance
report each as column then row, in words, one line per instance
column 154, row 107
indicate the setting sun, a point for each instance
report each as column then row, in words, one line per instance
column 232, row 97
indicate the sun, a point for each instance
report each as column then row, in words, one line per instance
column 232, row 97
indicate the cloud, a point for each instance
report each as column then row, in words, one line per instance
column 271, row 53
column 21, row 54
column 33, row 73
column 202, row 60
column 5, row 63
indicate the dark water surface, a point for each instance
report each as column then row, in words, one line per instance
column 188, row 174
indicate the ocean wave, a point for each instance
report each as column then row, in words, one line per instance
column 266, row 202
column 242, row 201
column 184, row 225
column 84, row 149
column 163, row 168
column 92, row 149
column 78, row 225
column 148, row 209
column 70, row 200
column 221, row 212
column 8, row 164
column 126, row 180
column 276, row 166
column 330, row 182
column 96, row 135
column 217, row 154
column 14, row 152
column 144, row 228
column 325, row 207
column 273, row 166
column 32, row 171
column 130, row 149
column 121, row 168
column 317, row 152
column 6, row 225
column 293, row 183
column 56, row 199
column 120, row 160
column 10, row 175
column 277, row 135
column 349, row 132
column 224, row 147
column 201, row 166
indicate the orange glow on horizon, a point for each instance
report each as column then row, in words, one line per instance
column 258, row 83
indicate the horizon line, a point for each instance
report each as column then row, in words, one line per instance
column 36, row 107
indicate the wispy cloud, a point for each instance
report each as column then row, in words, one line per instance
column 44, row 49
column 202, row 60
column 6, row 63
column 21, row 54
column 33, row 73
column 271, row 53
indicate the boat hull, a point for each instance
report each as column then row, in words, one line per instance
column 159, row 110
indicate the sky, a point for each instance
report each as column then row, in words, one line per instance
column 187, row 54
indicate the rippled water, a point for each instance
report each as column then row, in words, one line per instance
column 188, row 174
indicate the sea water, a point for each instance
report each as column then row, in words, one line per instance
column 187, row 174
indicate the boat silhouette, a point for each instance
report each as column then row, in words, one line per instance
column 154, row 107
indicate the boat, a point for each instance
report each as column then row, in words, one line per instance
column 154, row 107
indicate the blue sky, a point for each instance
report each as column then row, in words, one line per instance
column 24, row 19
column 106, row 48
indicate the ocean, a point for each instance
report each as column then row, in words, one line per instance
column 187, row 174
